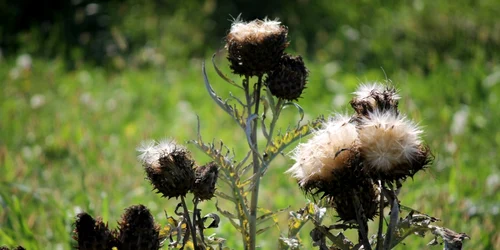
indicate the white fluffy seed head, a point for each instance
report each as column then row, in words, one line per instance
column 255, row 30
column 365, row 90
column 388, row 140
column 151, row 151
column 328, row 149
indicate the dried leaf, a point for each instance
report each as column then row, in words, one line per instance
column 289, row 243
column 280, row 142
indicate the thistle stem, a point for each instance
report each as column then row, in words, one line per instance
column 256, row 168
column 362, row 223
column 190, row 225
column 381, row 219
column 274, row 120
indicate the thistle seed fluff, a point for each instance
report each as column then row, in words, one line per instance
column 388, row 140
column 327, row 150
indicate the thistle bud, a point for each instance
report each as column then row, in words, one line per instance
column 169, row 167
column 137, row 230
column 92, row 234
column 255, row 48
column 289, row 79
column 205, row 180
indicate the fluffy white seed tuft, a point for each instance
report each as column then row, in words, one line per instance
column 327, row 150
column 388, row 140
column 255, row 30
column 367, row 90
column 151, row 151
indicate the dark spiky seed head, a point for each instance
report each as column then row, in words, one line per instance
column 375, row 97
column 205, row 180
column 402, row 171
column 289, row 79
column 344, row 184
column 343, row 201
column 92, row 234
column 173, row 174
column 137, row 230
column 255, row 48
column 16, row 248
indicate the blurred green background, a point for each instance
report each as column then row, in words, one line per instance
column 84, row 82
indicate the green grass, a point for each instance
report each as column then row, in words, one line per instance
column 75, row 150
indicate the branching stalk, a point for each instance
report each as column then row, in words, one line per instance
column 256, row 168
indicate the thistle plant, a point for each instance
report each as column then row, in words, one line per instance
column 352, row 164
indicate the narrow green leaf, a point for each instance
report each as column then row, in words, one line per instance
column 231, row 110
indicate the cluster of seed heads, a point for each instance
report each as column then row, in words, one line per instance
column 351, row 154
column 172, row 171
column 136, row 230
column 257, row 48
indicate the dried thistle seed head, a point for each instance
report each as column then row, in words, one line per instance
column 391, row 146
column 341, row 198
column 289, row 78
column 92, row 234
column 137, row 230
column 169, row 167
column 331, row 148
column 375, row 97
column 205, row 180
column 256, row 47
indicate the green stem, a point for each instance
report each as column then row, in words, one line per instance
column 274, row 120
column 190, row 225
column 256, row 168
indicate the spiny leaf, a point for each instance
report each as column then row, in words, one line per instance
column 420, row 224
column 222, row 160
column 280, row 142
column 269, row 214
column 226, row 213
column 222, row 74
column 231, row 110
column 262, row 230
column 225, row 196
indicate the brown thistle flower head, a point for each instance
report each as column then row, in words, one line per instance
column 375, row 97
column 205, row 180
column 168, row 166
column 341, row 193
column 92, row 234
column 256, row 47
column 137, row 230
column 391, row 147
column 328, row 164
column 289, row 78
